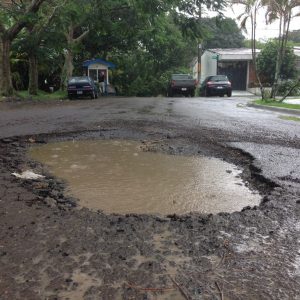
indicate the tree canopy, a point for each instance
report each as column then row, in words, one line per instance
column 222, row 33
column 266, row 62
column 148, row 40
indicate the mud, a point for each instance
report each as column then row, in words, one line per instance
column 51, row 249
column 123, row 176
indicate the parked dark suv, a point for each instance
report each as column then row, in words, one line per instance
column 82, row 87
column 216, row 85
column 183, row 84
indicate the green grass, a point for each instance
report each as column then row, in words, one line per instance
column 277, row 104
column 58, row 95
column 289, row 118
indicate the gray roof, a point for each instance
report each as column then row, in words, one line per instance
column 233, row 53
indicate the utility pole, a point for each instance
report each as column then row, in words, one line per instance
column 199, row 66
column 199, row 63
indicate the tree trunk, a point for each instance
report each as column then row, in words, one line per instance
column 278, row 61
column 1, row 66
column 253, row 47
column 68, row 67
column 67, row 70
column 277, row 73
column 6, row 84
column 33, row 75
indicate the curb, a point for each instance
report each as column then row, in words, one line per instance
column 276, row 109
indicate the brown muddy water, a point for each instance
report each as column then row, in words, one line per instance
column 119, row 177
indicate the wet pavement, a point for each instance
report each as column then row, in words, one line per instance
column 51, row 249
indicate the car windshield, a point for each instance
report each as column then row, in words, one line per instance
column 78, row 80
column 218, row 78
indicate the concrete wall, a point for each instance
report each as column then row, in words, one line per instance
column 208, row 65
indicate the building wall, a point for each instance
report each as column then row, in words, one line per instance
column 208, row 65
column 251, row 75
column 194, row 67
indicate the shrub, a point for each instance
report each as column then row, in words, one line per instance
column 285, row 86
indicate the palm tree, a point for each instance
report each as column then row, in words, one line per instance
column 250, row 13
column 282, row 10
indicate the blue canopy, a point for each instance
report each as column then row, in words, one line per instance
column 110, row 65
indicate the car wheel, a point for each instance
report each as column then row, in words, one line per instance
column 206, row 93
column 221, row 95
column 93, row 95
column 229, row 94
column 192, row 93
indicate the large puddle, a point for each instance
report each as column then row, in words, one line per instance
column 118, row 177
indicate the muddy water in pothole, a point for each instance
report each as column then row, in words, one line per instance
column 118, row 177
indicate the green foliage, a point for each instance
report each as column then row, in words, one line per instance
column 290, row 118
column 272, row 102
column 58, row 95
column 287, row 86
column 266, row 62
column 147, row 40
column 222, row 33
column 146, row 70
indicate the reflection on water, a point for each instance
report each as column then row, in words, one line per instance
column 117, row 176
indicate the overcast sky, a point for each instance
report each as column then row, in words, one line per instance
column 264, row 31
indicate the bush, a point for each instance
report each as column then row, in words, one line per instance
column 266, row 63
column 286, row 86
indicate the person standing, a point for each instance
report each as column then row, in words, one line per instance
column 102, row 83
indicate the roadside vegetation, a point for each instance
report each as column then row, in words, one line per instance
column 42, row 95
column 282, row 11
column 43, row 43
column 271, row 102
column 290, row 118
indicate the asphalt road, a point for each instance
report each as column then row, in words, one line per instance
column 230, row 114
column 263, row 134
column 51, row 251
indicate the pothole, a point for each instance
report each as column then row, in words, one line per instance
column 118, row 176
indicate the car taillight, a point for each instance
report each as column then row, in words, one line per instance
column 87, row 87
column 209, row 83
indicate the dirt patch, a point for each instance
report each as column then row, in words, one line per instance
column 50, row 249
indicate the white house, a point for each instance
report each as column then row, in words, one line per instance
column 236, row 63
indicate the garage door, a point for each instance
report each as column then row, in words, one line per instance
column 236, row 71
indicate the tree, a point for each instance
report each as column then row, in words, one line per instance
column 250, row 13
column 145, row 70
column 147, row 39
column 74, row 22
column 35, row 41
column 282, row 10
column 14, row 16
column 222, row 33
column 266, row 62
